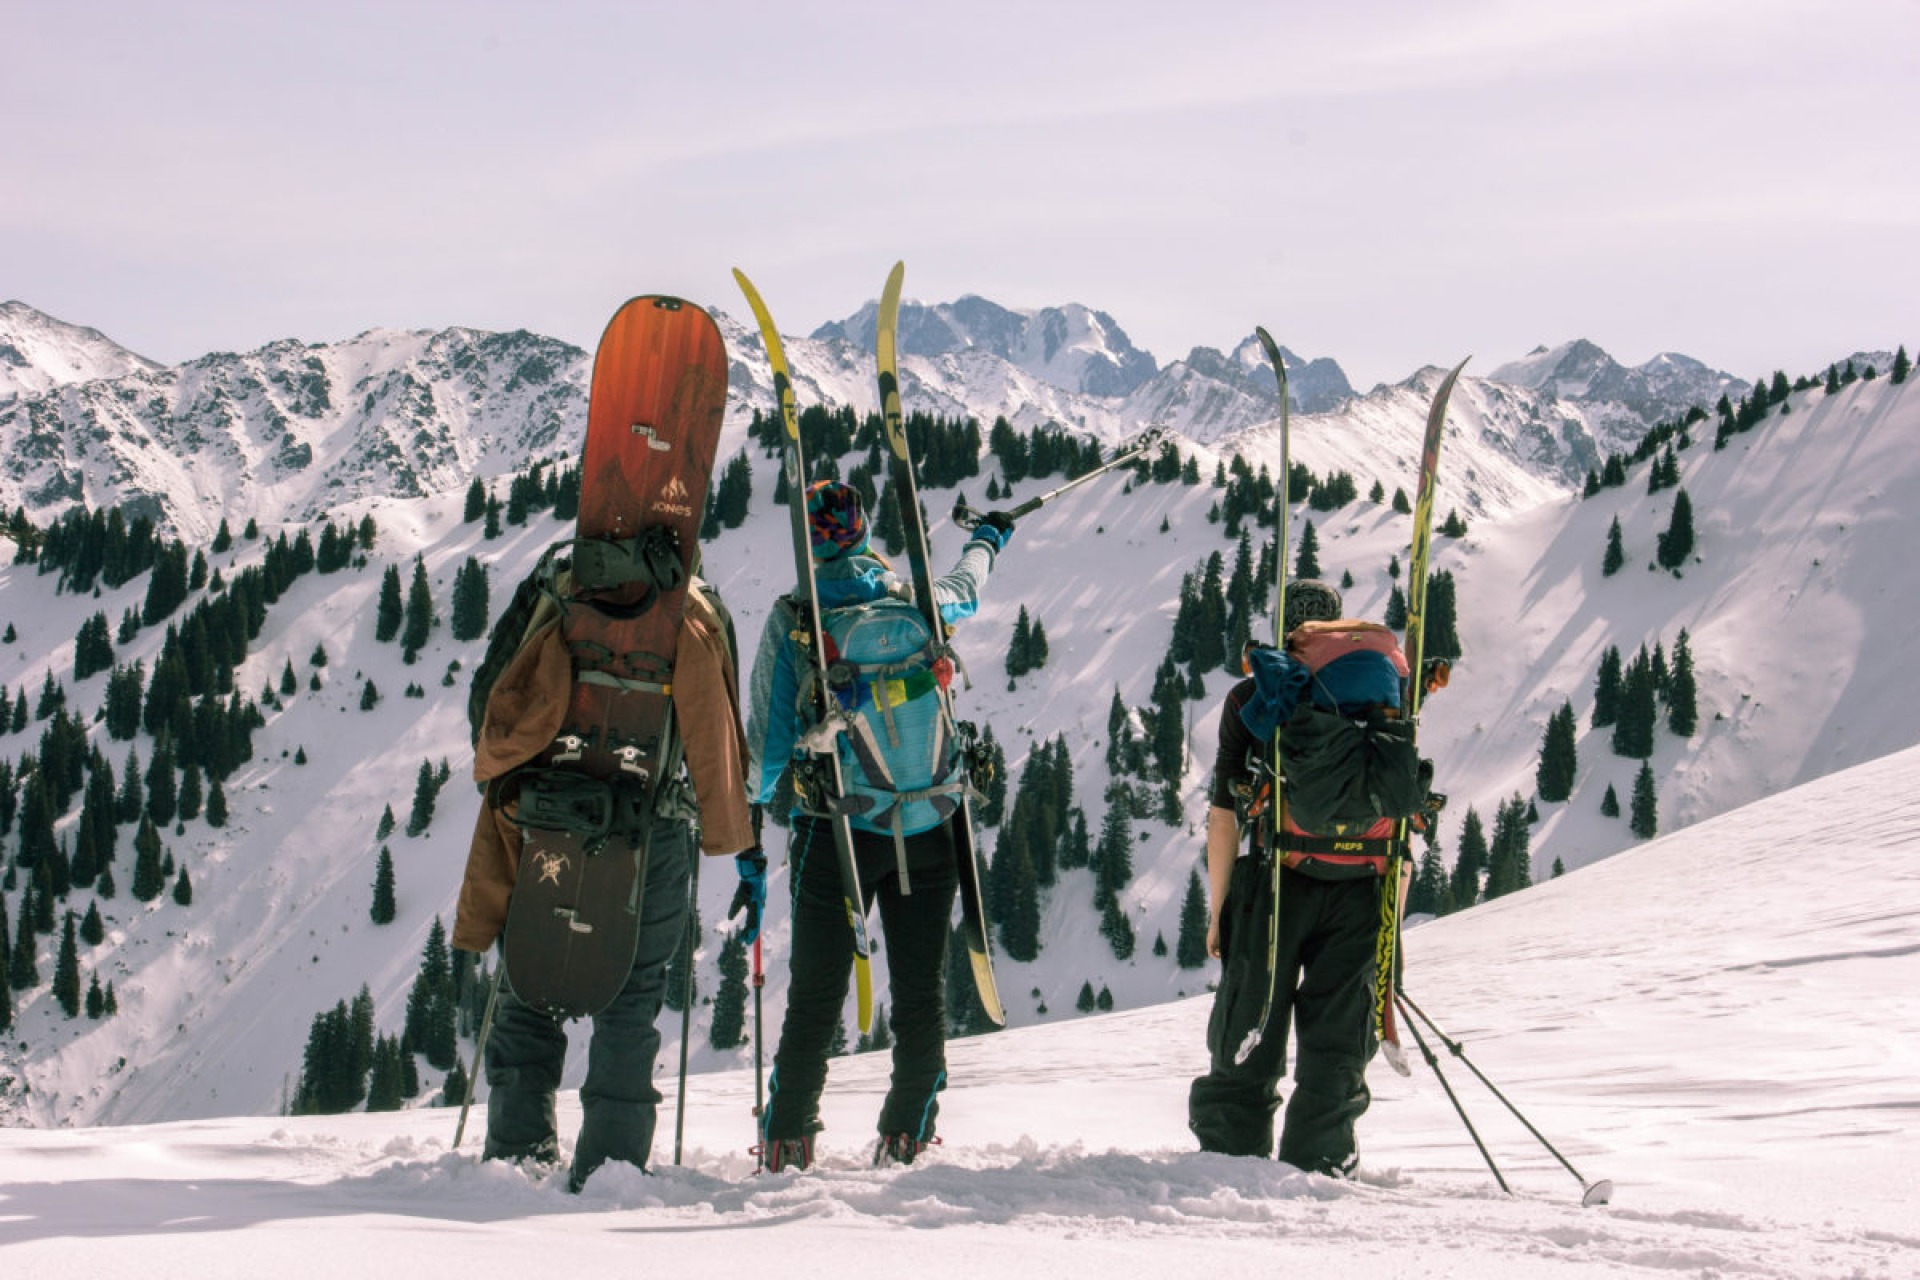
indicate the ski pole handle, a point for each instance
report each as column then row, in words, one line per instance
column 966, row 517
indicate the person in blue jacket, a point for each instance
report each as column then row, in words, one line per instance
column 906, row 865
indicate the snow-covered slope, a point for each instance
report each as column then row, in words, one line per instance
column 1798, row 607
column 1720, row 1023
column 38, row 353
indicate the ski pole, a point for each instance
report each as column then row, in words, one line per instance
column 967, row 518
column 686, row 1003
column 1434, row 1062
column 1592, row 1193
column 759, row 982
column 479, row 1049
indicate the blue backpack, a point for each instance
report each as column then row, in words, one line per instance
column 900, row 761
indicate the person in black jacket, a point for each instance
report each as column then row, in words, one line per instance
column 1328, row 919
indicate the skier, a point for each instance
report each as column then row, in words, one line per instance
column 1329, row 913
column 909, row 868
column 527, row 1047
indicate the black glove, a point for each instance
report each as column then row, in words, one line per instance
column 751, row 896
column 995, row 529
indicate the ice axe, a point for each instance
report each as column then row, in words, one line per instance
column 967, row 518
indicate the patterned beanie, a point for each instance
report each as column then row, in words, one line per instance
column 834, row 518
column 1309, row 600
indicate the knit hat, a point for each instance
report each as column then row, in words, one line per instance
column 835, row 520
column 1309, row 600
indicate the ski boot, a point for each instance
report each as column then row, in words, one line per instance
column 777, row 1155
column 899, row 1148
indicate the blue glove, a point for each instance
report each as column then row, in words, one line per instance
column 751, row 896
column 995, row 529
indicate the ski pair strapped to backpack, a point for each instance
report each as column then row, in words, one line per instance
column 873, row 690
column 1393, row 883
column 588, row 798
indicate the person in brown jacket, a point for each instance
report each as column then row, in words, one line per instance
column 526, row 1049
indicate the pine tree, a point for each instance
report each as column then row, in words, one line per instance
column 1020, row 648
column 1559, row 760
column 1610, row 803
column 1117, row 929
column 1430, row 893
column 216, row 804
column 417, row 623
column 384, row 1081
column 1639, row 710
column 66, row 971
column 384, row 828
column 93, row 930
column 389, row 613
column 163, row 796
column 1113, row 856
column 1084, row 1002
column 148, row 879
column 1469, row 861
column 1396, row 614
column 1509, row 862
column 1683, row 712
column 727, row 1030
column 6, row 983
column 1616, row 555
column 470, row 604
column 1442, row 634
column 1645, row 821
column 1190, row 952
column 383, row 904
column 1902, row 365
column 1020, row 930
column 1306, row 561
column 433, row 1004
column 1676, row 544
column 192, row 792
column 1607, row 689
column 421, row 816
column 183, row 889
column 23, row 963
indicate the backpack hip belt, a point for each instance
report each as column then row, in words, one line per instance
column 1351, row 852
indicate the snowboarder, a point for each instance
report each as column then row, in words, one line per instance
column 1329, row 915
column 527, row 1047
column 903, row 844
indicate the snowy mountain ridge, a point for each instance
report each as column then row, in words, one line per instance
column 293, row 430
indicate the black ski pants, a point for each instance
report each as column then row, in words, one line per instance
column 1328, row 931
column 913, row 929
column 527, row 1048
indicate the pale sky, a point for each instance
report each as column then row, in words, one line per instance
column 1389, row 184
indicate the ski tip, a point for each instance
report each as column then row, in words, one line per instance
column 1599, row 1193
